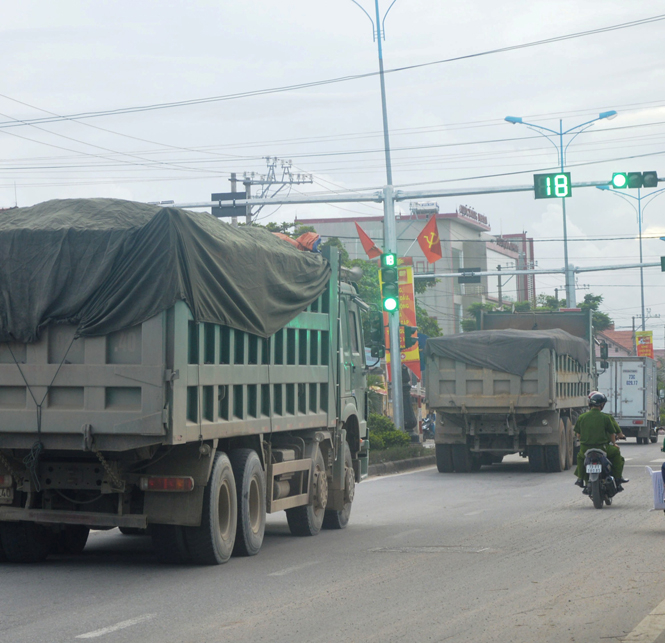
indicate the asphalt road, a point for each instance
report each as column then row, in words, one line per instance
column 501, row 555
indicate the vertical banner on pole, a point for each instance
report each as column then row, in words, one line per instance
column 644, row 343
column 407, row 317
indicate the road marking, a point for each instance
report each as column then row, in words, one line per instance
column 289, row 570
column 628, row 459
column 394, row 475
column 650, row 628
column 118, row 626
column 659, row 461
column 474, row 513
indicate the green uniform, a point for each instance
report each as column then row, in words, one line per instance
column 595, row 429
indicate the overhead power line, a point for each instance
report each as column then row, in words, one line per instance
column 330, row 81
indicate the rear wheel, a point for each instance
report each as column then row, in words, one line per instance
column 444, row 458
column 307, row 520
column 555, row 454
column 212, row 542
column 71, row 540
column 25, row 542
column 639, row 440
column 462, row 459
column 251, row 491
column 536, row 455
column 334, row 519
column 596, row 494
column 653, row 436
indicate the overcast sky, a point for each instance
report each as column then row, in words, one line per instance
column 446, row 120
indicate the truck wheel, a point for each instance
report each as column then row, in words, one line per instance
column 555, row 454
column 444, row 458
column 169, row 545
column 251, row 492
column 212, row 542
column 653, row 439
column 307, row 520
column 334, row 519
column 462, row 459
column 71, row 540
column 536, row 455
column 25, row 542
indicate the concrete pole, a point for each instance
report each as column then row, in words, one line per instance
column 234, row 220
column 248, row 208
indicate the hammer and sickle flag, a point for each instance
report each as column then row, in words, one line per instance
column 368, row 245
column 429, row 241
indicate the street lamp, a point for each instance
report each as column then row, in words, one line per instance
column 639, row 210
column 561, row 150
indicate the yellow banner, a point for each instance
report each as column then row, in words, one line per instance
column 644, row 343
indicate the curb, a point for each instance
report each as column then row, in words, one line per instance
column 385, row 468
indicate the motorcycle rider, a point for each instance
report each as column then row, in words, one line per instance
column 617, row 428
column 598, row 430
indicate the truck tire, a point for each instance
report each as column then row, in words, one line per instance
column 251, row 492
column 462, row 458
column 536, row 455
column 3, row 556
column 307, row 520
column 25, row 542
column 653, row 436
column 212, row 543
column 71, row 540
column 444, row 458
column 339, row 519
column 169, row 545
column 555, row 454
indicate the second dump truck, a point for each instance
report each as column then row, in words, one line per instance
column 163, row 372
column 509, row 390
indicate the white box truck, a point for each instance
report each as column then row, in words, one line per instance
column 631, row 387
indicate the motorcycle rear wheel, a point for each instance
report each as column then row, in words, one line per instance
column 596, row 494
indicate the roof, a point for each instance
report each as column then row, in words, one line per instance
column 622, row 338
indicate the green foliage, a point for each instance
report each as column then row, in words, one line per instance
column 394, row 454
column 383, row 434
column 469, row 325
column 522, row 306
column 335, row 242
column 600, row 320
column 421, row 285
column 547, row 302
column 427, row 325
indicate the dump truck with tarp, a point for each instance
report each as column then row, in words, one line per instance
column 163, row 372
column 508, row 390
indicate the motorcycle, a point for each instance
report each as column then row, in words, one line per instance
column 601, row 487
column 428, row 428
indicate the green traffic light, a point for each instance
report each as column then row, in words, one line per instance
column 390, row 304
column 388, row 260
column 620, row 180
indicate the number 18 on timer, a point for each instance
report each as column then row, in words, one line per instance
column 552, row 186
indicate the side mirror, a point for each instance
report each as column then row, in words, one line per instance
column 661, row 394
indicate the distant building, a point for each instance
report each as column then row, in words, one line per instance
column 621, row 343
column 466, row 242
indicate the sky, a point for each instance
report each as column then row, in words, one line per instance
column 446, row 120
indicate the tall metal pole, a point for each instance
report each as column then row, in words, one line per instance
column 639, row 223
column 571, row 300
column 390, row 242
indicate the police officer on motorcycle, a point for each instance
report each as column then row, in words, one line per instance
column 598, row 431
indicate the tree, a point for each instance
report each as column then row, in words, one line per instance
column 335, row 242
column 600, row 320
column 427, row 325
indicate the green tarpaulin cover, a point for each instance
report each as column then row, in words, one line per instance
column 108, row 264
column 509, row 350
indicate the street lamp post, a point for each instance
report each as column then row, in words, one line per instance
column 561, row 150
column 389, row 225
column 639, row 210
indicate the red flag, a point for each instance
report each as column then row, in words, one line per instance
column 368, row 245
column 429, row 241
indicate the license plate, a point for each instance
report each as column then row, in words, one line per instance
column 594, row 468
column 6, row 496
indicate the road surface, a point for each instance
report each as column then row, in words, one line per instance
column 502, row 555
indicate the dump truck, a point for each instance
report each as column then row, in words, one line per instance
column 631, row 387
column 506, row 389
column 169, row 374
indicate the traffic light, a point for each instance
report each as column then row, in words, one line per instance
column 389, row 285
column 552, row 186
column 662, row 264
column 410, row 336
column 377, row 338
column 632, row 180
